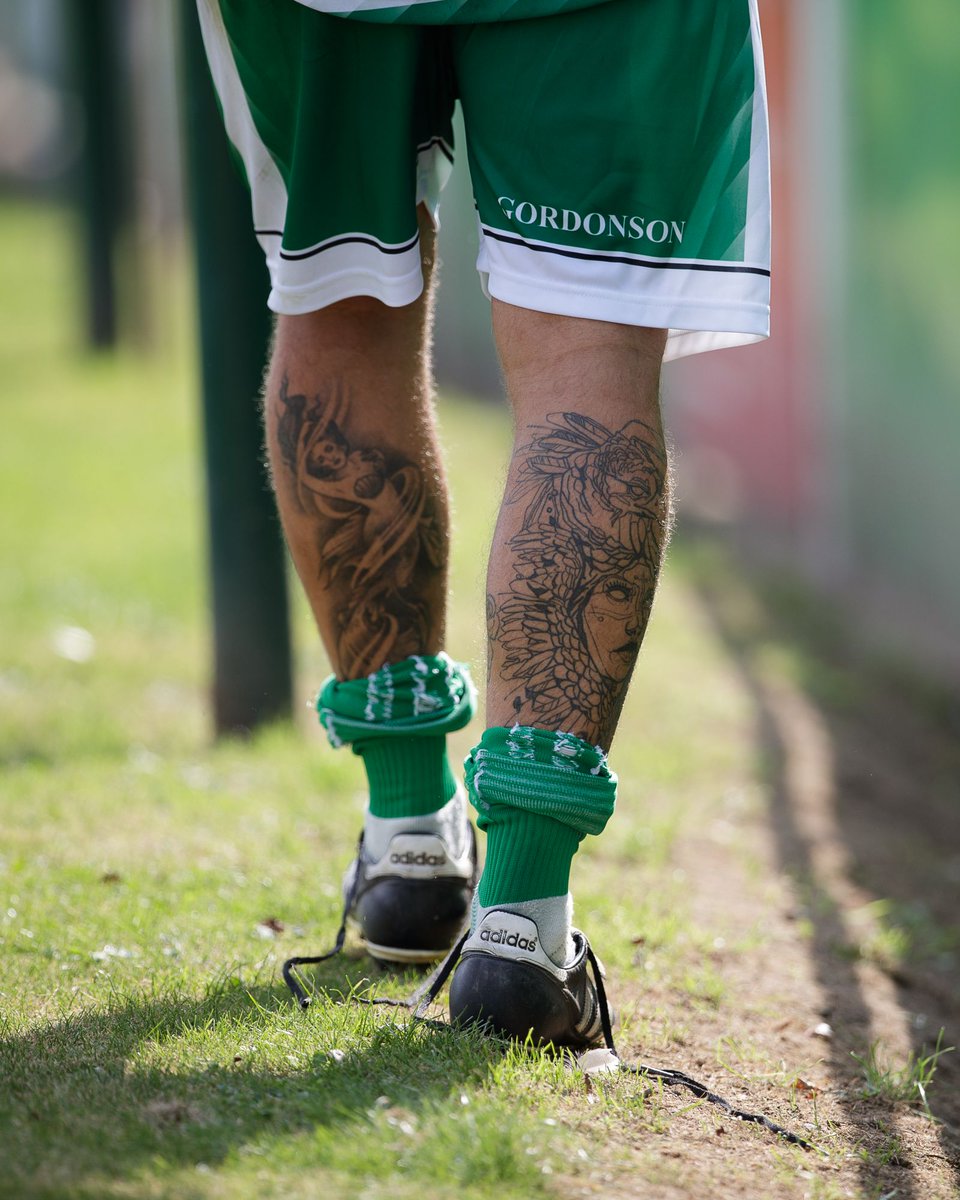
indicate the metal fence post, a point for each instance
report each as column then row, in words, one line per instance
column 94, row 44
column 251, row 630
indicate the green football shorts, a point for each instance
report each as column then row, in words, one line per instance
column 618, row 153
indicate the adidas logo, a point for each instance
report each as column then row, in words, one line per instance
column 503, row 938
column 409, row 859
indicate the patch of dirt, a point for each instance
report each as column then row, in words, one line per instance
column 171, row 1113
column 833, row 907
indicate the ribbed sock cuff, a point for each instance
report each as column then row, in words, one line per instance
column 537, row 794
column 408, row 777
column 528, row 857
column 420, row 696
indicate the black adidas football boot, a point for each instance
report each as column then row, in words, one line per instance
column 412, row 903
column 506, row 982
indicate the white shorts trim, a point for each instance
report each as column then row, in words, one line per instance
column 756, row 247
column 268, row 191
column 704, row 305
column 352, row 265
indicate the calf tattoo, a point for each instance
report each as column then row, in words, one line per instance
column 585, row 563
column 379, row 542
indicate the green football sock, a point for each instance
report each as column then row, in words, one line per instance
column 397, row 719
column 528, row 857
column 537, row 794
column 408, row 777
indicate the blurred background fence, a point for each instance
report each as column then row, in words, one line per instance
column 831, row 450
column 833, row 447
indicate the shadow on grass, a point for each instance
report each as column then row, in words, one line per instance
column 82, row 1104
column 864, row 801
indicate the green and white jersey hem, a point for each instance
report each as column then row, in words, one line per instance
column 446, row 12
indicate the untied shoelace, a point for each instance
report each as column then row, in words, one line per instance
column 419, row 1002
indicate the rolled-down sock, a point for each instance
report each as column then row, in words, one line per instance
column 537, row 794
column 397, row 719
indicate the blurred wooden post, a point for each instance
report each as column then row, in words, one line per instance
column 252, row 669
column 93, row 40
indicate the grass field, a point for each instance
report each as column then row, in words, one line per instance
column 776, row 901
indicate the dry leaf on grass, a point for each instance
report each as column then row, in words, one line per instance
column 270, row 927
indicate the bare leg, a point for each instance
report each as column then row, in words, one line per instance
column 361, row 493
column 570, row 584
column 578, row 544
column 357, row 472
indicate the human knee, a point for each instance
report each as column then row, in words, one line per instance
column 358, row 343
column 354, row 316
column 531, row 340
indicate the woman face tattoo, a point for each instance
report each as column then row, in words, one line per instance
column 611, row 625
